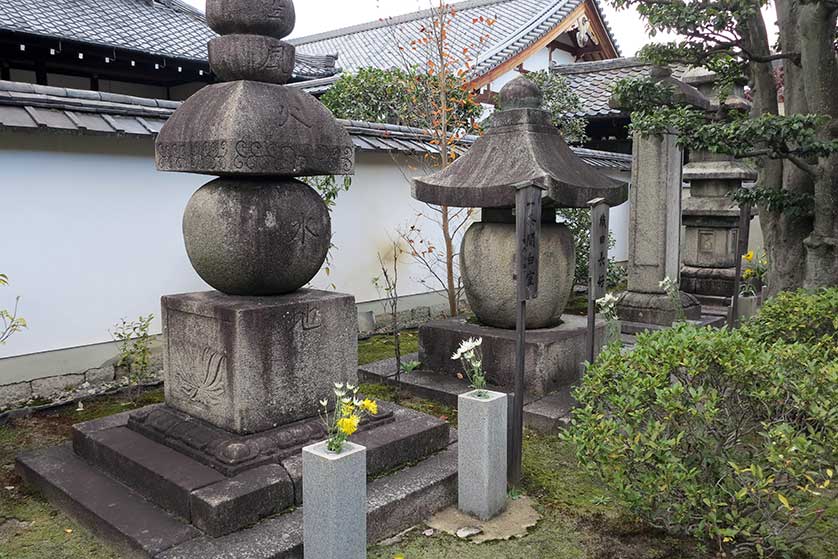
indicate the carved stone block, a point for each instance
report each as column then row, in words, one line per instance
column 251, row 57
column 248, row 364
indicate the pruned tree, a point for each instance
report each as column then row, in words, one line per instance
column 794, row 145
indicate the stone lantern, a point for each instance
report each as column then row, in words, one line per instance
column 519, row 173
column 521, row 147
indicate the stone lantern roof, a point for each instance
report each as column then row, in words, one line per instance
column 521, row 147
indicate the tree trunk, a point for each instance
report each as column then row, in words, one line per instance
column 783, row 234
column 820, row 78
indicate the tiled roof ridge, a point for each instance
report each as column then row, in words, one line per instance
column 600, row 65
column 74, row 110
column 528, row 26
column 178, row 6
column 19, row 93
column 388, row 21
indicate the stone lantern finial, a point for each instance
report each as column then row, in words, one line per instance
column 521, row 93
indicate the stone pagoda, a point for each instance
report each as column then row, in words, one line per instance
column 711, row 216
column 521, row 147
column 247, row 363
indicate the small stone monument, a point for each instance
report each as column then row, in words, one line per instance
column 246, row 364
column 711, row 216
column 521, row 147
column 655, row 224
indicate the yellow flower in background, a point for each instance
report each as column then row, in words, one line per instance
column 749, row 256
column 748, row 273
column 370, row 405
column 348, row 425
column 346, row 409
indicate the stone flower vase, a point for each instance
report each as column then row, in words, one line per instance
column 482, row 427
column 335, row 502
column 748, row 307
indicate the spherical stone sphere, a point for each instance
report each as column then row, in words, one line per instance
column 488, row 267
column 256, row 236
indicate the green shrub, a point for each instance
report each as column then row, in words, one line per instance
column 715, row 434
column 799, row 316
column 578, row 220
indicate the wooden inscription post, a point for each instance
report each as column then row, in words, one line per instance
column 528, row 231
column 597, row 266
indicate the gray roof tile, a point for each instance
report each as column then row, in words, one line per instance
column 519, row 23
column 594, row 82
column 169, row 28
column 63, row 110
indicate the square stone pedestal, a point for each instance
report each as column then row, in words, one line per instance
column 248, row 364
column 553, row 356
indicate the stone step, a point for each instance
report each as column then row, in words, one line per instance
column 164, row 476
column 139, row 529
column 712, row 310
column 108, row 508
column 394, row 503
column 220, row 504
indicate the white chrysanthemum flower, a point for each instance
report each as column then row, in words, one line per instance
column 324, row 403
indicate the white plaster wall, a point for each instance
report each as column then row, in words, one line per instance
column 93, row 234
column 539, row 60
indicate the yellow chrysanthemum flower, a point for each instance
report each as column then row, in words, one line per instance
column 348, row 425
column 749, row 255
column 346, row 409
column 370, row 405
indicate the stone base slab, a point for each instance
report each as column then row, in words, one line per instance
column 139, row 529
column 656, row 308
column 718, row 282
column 545, row 414
column 553, row 356
column 222, row 502
column 230, row 453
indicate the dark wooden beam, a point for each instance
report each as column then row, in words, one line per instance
column 106, row 63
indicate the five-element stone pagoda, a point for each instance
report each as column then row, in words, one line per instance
column 214, row 471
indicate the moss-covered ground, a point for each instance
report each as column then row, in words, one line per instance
column 580, row 518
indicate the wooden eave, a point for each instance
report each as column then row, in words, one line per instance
column 597, row 27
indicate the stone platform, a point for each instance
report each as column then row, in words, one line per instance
column 545, row 414
column 553, row 356
column 151, row 497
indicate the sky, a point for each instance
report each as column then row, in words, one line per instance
column 316, row 16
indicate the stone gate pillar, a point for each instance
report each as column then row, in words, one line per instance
column 655, row 233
